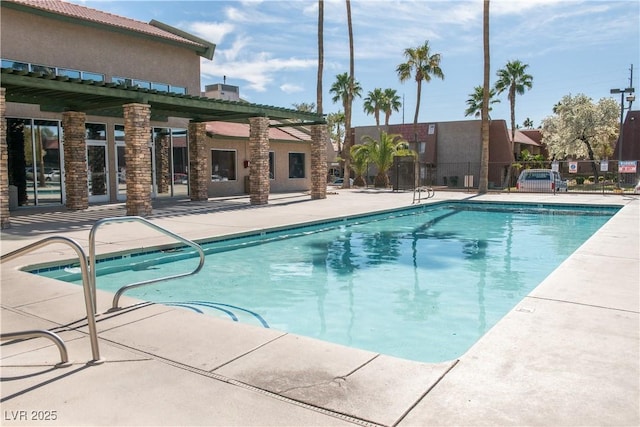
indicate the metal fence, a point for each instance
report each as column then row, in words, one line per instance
column 579, row 176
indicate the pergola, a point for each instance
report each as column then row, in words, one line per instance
column 76, row 98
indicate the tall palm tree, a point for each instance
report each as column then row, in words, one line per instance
column 374, row 102
column 514, row 79
column 381, row 152
column 349, row 103
column 344, row 91
column 320, row 55
column 392, row 103
column 422, row 65
column 476, row 99
column 335, row 123
column 483, row 179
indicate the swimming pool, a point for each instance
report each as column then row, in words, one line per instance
column 422, row 283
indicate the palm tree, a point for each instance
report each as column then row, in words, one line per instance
column 483, row 179
column 381, row 153
column 360, row 164
column 373, row 103
column 320, row 55
column 344, row 91
column 350, row 94
column 528, row 123
column 307, row 107
column 335, row 123
column 513, row 77
column 422, row 64
column 476, row 99
column 392, row 103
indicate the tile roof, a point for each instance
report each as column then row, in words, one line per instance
column 96, row 16
column 241, row 130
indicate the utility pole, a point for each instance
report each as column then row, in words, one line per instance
column 630, row 98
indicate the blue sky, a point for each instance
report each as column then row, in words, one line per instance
column 269, row 48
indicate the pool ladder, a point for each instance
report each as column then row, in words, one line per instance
column 89, row 300
column 122, row 290
column 422, row 189
column 88, row 271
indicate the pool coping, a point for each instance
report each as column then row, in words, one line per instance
column 494, row 383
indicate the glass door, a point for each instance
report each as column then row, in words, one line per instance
column 97, row 172
column 121, row 163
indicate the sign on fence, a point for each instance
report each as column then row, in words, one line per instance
column 628, row 166
column 573, row 167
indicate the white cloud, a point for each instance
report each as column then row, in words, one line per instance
column 259, row 70
column 211, row 31
column 291, row 88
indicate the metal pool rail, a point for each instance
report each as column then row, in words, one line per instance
column 118, row 294
column 89, row 298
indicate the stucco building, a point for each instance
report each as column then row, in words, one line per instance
column 102, row 108
column 450, row 151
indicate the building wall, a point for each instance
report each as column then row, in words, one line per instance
column 45, row 41
column 281, row 183
column 31, row 38
column 459, row 141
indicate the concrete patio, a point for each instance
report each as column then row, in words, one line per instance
column 568, row 354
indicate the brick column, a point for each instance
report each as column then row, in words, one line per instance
column 199, row 175
column 5, row 221
column 137, row 155
column 259, row 185
column 319, row 142
column 75, row 160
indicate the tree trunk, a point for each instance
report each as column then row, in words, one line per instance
column 320, row 55
column 347, row 112
column 594, row 168
column 415, row 118
column 483, row 183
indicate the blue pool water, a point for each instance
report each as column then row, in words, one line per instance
column 422, row 284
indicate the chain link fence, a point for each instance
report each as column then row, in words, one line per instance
column 580, row 176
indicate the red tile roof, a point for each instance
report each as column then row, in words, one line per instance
column 241, row 130
column 96, row 16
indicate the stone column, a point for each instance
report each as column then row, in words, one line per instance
column 75, row 160
column 199, row 175
column 137, row 155
column 5, row 221
column 319, row 142
column 259, row 185
column 163, row 171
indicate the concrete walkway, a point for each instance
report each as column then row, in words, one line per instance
column 568, row 354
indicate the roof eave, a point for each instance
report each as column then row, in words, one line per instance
column 208, row 47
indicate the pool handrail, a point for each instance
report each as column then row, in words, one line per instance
column 89, row 294
column 43, row 333
column 122, row 290
column 419, row 190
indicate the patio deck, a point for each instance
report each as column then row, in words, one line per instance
column 568, row 354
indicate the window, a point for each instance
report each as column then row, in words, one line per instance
column 21, row 66
column 142, row 84
column 178, row 90
column 72, row 74
column 47, row 71
column 223, row 165
column 161, row 87
column 95, row 132
column 272, row 165
column 296, row 165
column 96, row 77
